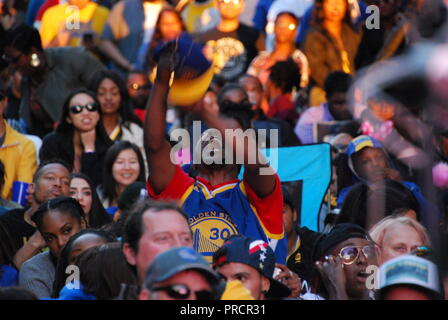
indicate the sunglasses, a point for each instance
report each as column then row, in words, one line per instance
column 182, row 292
column 351, row 254
column 91, row 107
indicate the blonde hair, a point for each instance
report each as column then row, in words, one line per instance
column 378, row 231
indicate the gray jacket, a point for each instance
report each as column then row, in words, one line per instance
column 37, row 275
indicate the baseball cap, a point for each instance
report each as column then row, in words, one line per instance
column 361, row 142
column 410, row 270
column 256, row 254
column 190, row 59
column 357, row 144
column 338, row 234
column 176, row 260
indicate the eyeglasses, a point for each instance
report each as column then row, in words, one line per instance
column 91, row 107
column 351, row 254
column 182, row 292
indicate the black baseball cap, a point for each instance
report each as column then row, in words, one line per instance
column 338, row 234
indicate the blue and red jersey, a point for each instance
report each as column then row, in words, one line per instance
column 217, row 212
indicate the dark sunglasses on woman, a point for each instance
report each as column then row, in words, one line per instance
column 91, row 107
column 182, row 292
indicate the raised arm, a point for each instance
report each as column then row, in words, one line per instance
column 257, row 172
column 157, row 148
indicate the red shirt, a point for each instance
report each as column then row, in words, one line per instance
column 269, row 210
column 284, row 109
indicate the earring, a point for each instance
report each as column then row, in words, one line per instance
column 35, row 61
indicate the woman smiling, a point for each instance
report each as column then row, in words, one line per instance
column 123, row 165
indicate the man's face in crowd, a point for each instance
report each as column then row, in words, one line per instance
column 254, row 91
column 188, row 283
column 355, row 274
column 53, row 181
column 211, row 146
column 20, row 61
column 398, row 240
column 138, row 89
column 162, row 231
column 230, row 9
column 251, row 278
column 370, row 164
column 337, row 103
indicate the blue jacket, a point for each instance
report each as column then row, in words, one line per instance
column 9, row 276
column 69, row 293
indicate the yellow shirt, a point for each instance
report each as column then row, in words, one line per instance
column 18, row 155
column 64, row 20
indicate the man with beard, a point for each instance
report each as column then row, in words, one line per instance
column 217, row 203
column 51, row 180
column 342, row 258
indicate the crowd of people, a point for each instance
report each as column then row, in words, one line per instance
column 94, row 206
